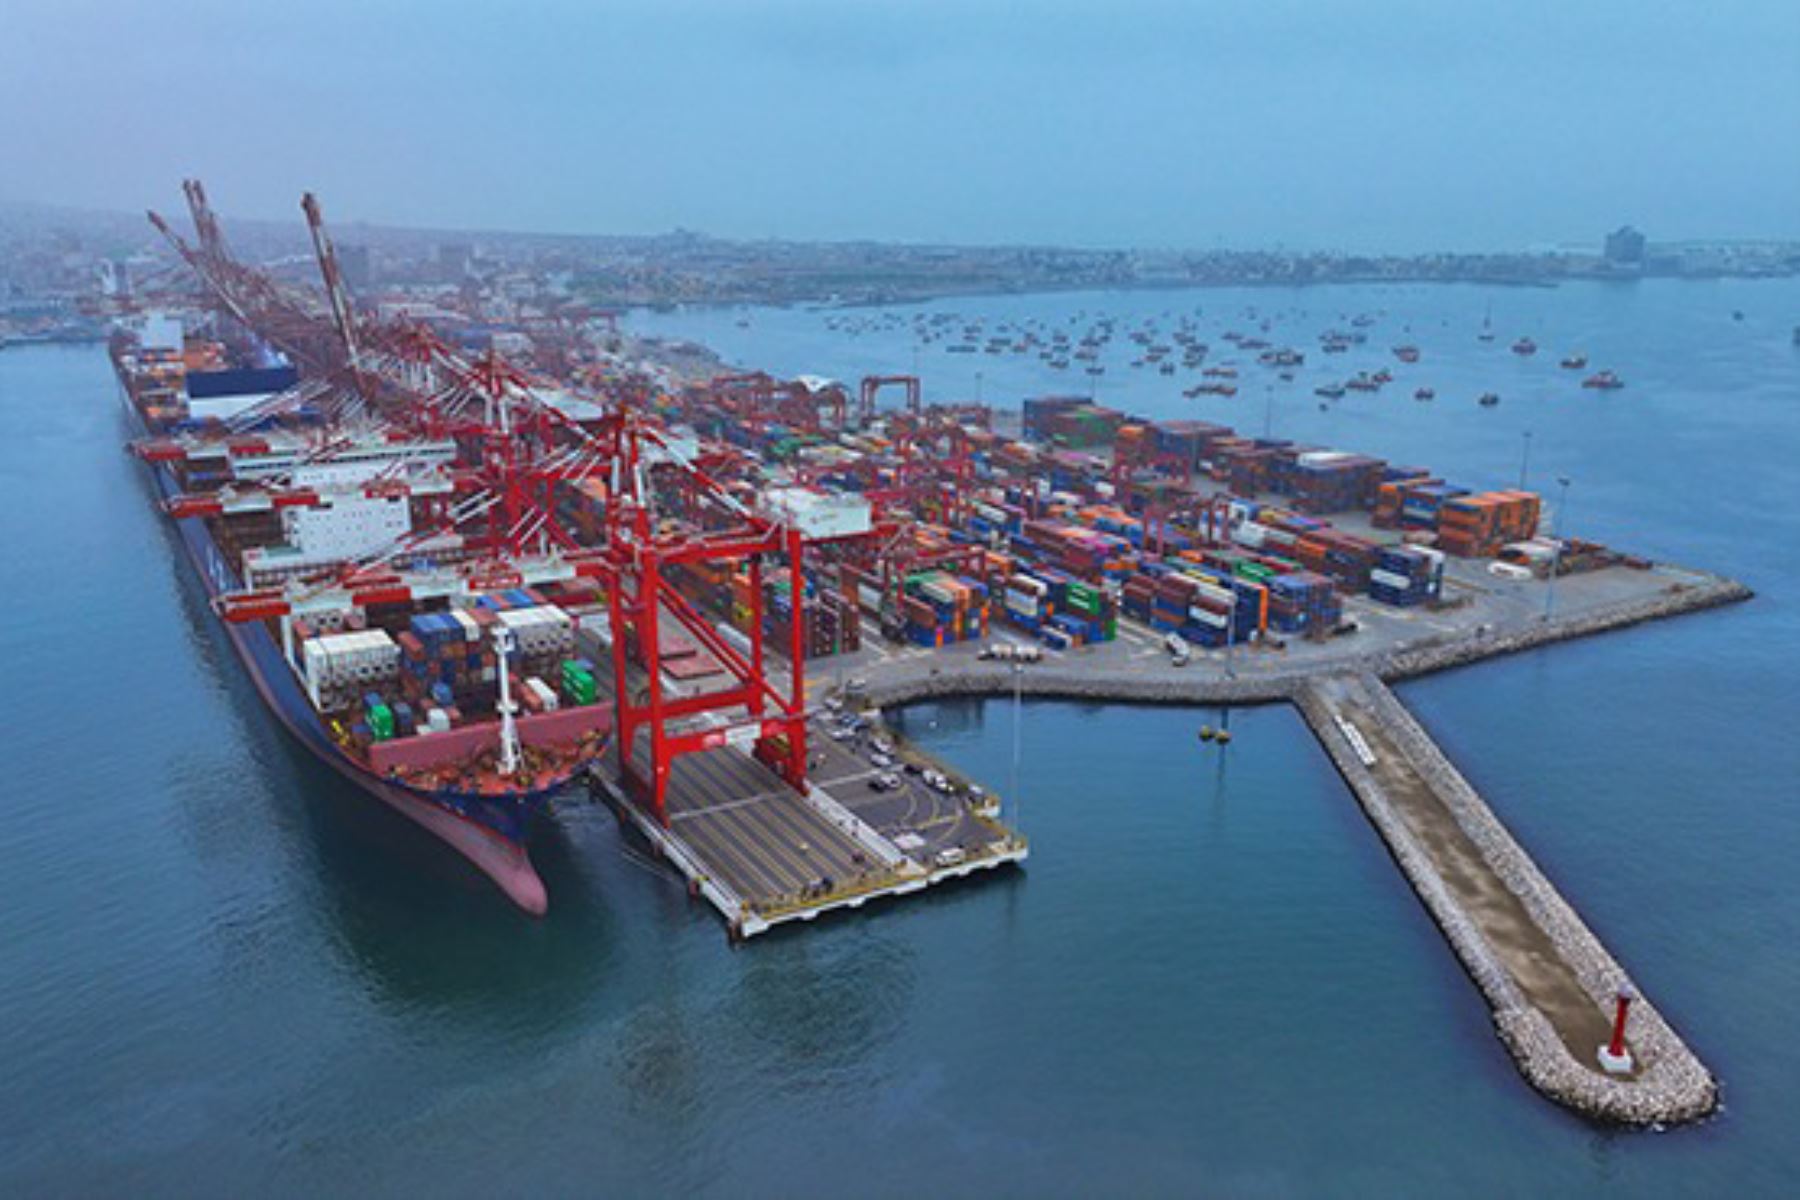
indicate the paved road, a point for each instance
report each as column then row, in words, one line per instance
column 940, row 821
column 754, row 832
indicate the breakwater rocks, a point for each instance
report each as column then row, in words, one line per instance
column 1261, row 681
column 1549, row 981
column 1448, row 651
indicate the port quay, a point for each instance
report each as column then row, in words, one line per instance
column 701, row 595
column 1552, row 986
column 1554, row 990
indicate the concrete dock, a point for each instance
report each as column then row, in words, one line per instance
column 870, row 823
column 1495, row 618
column 1551, row 984
column 764, row 854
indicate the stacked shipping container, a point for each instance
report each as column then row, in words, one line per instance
column 1477, row 526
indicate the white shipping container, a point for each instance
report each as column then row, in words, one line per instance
column 734, row 637
column 1021, row 602
column 1389, row 579
column 1217, row 592
column 544, row 692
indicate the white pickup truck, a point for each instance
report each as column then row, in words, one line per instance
column 1180, row 653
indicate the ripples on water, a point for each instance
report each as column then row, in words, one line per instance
column 224, row 972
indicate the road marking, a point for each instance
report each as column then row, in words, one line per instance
column 856, row 777
column 722, row 806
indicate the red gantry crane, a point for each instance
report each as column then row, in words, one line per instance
column 514, row 451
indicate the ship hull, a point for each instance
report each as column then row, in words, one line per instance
column 491, row 833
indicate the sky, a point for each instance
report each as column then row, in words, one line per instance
column 1379, row 125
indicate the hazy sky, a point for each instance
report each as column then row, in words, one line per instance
column 1379, row 124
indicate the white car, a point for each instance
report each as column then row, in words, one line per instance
column 880, row 760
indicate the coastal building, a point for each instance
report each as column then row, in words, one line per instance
column 1625, row 247
column 358, row 271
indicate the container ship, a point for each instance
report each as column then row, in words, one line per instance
column 464, row 707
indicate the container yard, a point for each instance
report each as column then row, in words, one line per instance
column 464, row 582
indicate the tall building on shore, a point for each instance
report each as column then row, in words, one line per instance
column 453, row 260
column 1625, row 247
column 354, row 259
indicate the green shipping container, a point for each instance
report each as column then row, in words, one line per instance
column 381, row 722
column 578, row 685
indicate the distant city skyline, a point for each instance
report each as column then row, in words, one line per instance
column 1395, row 126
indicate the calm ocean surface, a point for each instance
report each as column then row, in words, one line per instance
column 223, row 972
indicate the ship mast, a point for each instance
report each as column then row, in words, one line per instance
column 509, row 732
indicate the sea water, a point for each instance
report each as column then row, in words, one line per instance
column 222, row 970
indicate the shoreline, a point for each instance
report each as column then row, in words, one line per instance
column 1545, row 975
column 907, row 683
column 1548, row 980
column 822, row 304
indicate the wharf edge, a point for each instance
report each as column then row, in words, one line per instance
column 891, row 684
column 1669, row 1084
column 1672, row 1086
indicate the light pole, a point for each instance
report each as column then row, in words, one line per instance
column 1525, row 460
column 1231, row 633
column 978, row 389
column 1556, row 535
column 1018, row 670
column 1269, row 410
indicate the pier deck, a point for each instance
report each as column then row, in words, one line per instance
column 1550, row 982
column 764, row 854
column 1497, row 617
